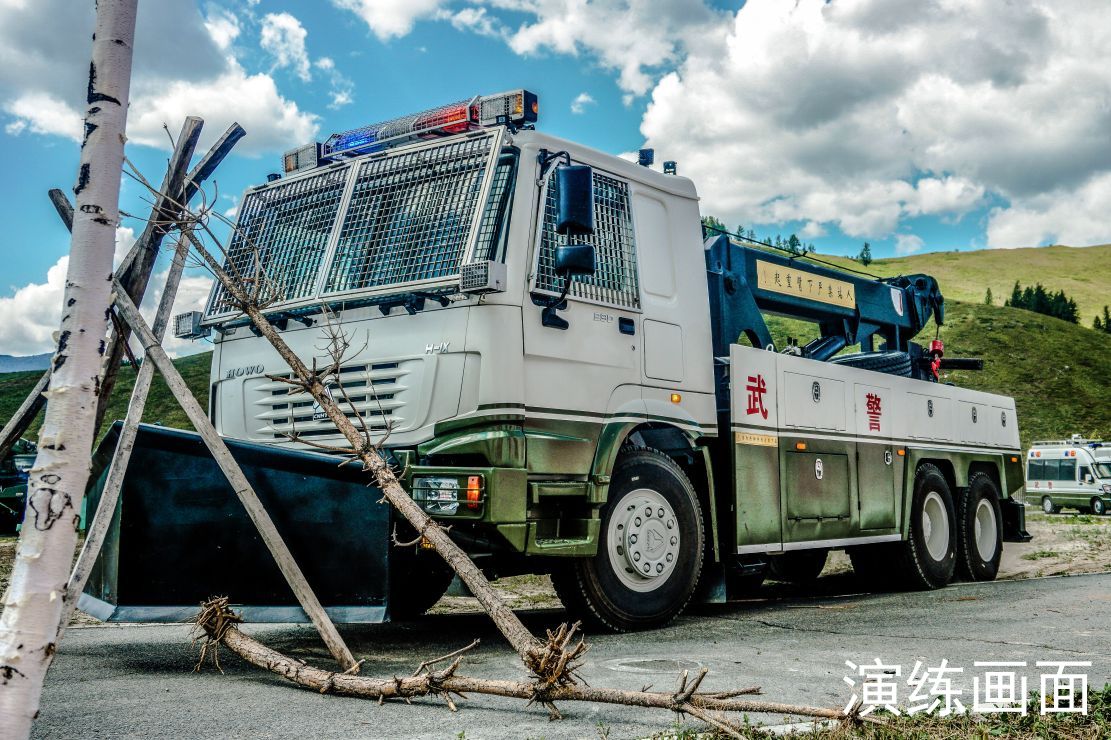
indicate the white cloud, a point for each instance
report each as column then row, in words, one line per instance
column 283, row 37
column 908, row 244
column 391, row 18
column 583, row 99
column 342, row 90
column 41, row 113
column 1074, row 216
column 862, row 113
column 476, row 20
column 272, row 121
column 223, row 27
column 32, row 313
column 632, row 38
column 184, row 65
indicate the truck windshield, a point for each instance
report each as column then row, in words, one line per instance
column 393, row 222
column 1102, row 470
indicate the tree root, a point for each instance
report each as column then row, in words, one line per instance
column 553, row 669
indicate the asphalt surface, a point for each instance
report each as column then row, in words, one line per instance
column 119, row 681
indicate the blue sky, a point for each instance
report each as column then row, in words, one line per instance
column 910, row 125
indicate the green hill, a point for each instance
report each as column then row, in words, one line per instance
column 161, row 407
column 1084, row 273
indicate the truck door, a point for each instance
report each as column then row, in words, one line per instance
column 875, row 458
column 576, row 377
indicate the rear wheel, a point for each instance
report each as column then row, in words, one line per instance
column 799, row 567
column 929, row 556
column 650, row 553
column 1048, row 506
column 1098, row 507
column 980, row 538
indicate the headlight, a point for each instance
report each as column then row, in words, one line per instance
column 1106, row 487
column 437, row 495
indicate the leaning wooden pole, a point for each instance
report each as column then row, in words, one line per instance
column 33, row 603
column 255, row 510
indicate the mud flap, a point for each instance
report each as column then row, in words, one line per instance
column 1014, row 521
column 180, row 534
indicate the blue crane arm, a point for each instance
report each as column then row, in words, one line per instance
column 747, row 283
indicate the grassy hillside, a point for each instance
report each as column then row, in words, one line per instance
column 1084, row 273
column 161, row 406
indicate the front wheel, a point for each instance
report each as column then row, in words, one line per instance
column 1099, row 508
column 1048, row 506
column 650, row 553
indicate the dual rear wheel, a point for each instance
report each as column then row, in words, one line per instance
column 948, row 536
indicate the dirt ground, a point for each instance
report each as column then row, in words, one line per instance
column 1063, row 544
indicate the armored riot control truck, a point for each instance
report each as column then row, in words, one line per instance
column 577, row 379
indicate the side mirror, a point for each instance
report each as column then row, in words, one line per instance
column 1089, row 479
column 574, row 259
column 575, row 207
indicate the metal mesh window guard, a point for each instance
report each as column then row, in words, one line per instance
column 283, row 232
column 493, row 228
column 410, row 216
column 615, row 278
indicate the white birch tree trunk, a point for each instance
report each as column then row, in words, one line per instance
column 33, row 602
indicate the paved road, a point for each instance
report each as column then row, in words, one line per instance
column 136, row 680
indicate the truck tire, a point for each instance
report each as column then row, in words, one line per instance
column 1048, row 506
column 892, row 363
column 980, row 530
column 928, row 558
column 1098, row 507
column 800, row 567
column 650, row 550
column 417, row 581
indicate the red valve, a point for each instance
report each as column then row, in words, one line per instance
column 937, row 351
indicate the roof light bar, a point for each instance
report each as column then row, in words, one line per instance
column 515, row 107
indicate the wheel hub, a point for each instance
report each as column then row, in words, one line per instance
column 986, row 530
column 935, row 526
column 644, row 540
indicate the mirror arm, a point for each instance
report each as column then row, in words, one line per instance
column 549, row 317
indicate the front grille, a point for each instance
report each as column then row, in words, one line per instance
column 376, row 391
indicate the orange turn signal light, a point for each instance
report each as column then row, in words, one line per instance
column 676, row 398
column 901, row 453
column 1014, row 459
column 800, row 445
column 474, row 491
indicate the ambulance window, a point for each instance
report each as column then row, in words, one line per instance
column 1049, row 470
column 1036, row 470
column 615, row 280
column 1067, row 470
column 1084, row 474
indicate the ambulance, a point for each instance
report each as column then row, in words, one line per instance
column 1072, row 473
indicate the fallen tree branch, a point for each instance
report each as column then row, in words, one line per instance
column 218, row 625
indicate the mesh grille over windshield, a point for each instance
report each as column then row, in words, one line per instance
column 405, row 217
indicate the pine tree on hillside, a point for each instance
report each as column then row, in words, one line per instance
column 988, row 301
column 1104, row 324
column 865, row 256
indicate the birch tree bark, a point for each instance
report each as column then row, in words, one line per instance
column 33, row 603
